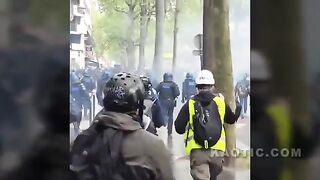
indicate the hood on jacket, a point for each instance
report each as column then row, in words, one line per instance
column 204, row 97
column 117, row 120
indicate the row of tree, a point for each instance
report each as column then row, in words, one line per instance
column 216, row 42
column 122, row 26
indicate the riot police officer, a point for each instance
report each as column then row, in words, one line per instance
column 168, row 92
column 79, row 97
column 188, row 88
column 242, row 91
column 89, row 83
column 100, row 85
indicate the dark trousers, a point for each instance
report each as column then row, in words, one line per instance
column 244, row 103
column 86, row 108
column 170, row 119
column 167, row 109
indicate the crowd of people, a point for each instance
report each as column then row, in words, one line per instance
column 125, row 130
column 88, row 85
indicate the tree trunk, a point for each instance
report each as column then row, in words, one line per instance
column 143, row 35
column 278, row 36
column 217, row 58
column 130, row 42
column 175, row 34
column 158, row 53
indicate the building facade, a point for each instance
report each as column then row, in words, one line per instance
column 81, row 41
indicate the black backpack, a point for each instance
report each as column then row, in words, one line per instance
column 207, row 124
column 96, row 154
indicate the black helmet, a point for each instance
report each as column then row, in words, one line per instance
column 167, row 77
column 146, row 82
column 124, row 92
column 189, row 76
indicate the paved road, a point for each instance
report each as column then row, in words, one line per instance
column 176, row 146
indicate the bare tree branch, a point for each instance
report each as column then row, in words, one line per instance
column 151, row 10
column 122, row 10
column 127, row 2
column 134, row 4
column 150, row 13
column 136, row 16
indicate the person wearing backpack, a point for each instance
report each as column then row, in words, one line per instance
column 201, row 120
column 115, row 146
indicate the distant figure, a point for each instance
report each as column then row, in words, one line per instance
column 168, row 92
column 188, row 88
column 242, row 91
column 89, row 83
column 79, row 98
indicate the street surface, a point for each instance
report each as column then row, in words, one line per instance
column 176, row 147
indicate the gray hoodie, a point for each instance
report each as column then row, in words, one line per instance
column 140, row 148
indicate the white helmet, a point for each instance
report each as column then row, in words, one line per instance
column 205, row 77
column 259, row 67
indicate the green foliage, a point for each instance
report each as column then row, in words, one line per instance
column 109, row 27
column 191, row 10
column 109, row 34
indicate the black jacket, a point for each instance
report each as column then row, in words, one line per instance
column 205, row 99
column 168, row 91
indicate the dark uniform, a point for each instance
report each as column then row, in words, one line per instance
column 79, row 97
column 100, row 85
column 89, row 83
column 242, row 91
column 168, row 92
column 188, row 88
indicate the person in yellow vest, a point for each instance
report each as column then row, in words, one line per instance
column 201, row 121
column 272, row 128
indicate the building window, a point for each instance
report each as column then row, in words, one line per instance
column 75, row 38
column 73, row 25
column 76, row 2
column 81, row 10
column 75, row 21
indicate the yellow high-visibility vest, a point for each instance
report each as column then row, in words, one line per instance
column 281, row 120
column 190, row 143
